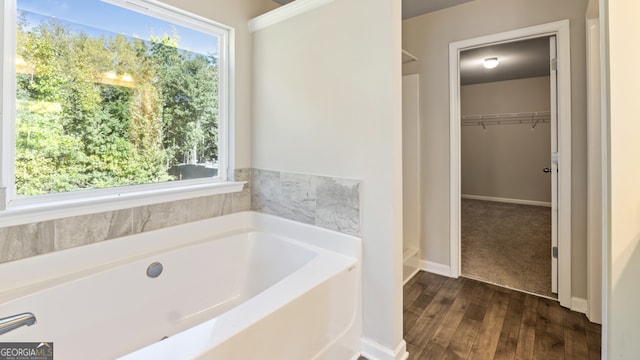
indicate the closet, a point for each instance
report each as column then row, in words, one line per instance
column 506, row 183
column 506, row 141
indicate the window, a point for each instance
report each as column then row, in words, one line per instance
column 111, row 97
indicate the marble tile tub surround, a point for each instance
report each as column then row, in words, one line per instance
column 328, row 202
column 332, row 203
column 21, row 241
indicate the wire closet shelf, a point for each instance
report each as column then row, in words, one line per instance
column 532, row 118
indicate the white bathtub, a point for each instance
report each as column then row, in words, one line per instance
column 243, row 286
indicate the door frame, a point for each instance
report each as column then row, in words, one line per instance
column 595, row 167
column 562, row 32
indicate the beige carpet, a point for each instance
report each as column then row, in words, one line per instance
column 507, row 244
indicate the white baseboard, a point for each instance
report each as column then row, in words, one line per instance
column 435, row 268
column 410, row 266
column 373, row 350
column 507, row 200
column 411, row 275
column 579, row 305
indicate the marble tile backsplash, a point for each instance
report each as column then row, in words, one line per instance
column 21, row 241
column 332, row 203
column 329, row 202
column 338, row 205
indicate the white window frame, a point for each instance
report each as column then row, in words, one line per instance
column 19, row 210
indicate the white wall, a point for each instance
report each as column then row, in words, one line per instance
column 428, row 38
column 622, row 286
column 327, row 101
column 506, row 161
column 411, row 161
column 510, row 96
column 236, row 14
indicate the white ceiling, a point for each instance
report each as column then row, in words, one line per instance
column 520, row 59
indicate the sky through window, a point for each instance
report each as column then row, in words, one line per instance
column 107, row 19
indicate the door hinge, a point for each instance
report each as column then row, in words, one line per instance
column 554, row 64
column 555, row 252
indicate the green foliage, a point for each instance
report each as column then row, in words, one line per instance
column 82, row 124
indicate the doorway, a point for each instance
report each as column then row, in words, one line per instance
column 561, row 205
column 506, row 178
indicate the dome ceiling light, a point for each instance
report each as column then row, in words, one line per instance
column 490, row 63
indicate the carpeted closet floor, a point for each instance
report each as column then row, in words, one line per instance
column 507, row 244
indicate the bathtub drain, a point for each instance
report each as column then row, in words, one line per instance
column 154, row 270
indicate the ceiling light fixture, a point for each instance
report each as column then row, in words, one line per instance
column 490, row 63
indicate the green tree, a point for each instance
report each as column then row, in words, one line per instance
column 189, row 84
column 108, row 111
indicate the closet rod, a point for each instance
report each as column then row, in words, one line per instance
column 505, row 122
column 504, row 116
column 532, row 118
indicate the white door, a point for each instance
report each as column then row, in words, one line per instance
column 554, row 165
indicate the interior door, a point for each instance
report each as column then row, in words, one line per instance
column 554, row 164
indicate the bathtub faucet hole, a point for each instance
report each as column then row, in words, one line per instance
column 154, row 270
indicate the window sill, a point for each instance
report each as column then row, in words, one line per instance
column 50, row 210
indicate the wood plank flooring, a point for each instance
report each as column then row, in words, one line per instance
column 461, row 318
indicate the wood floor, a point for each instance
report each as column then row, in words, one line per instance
column 461, row 318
